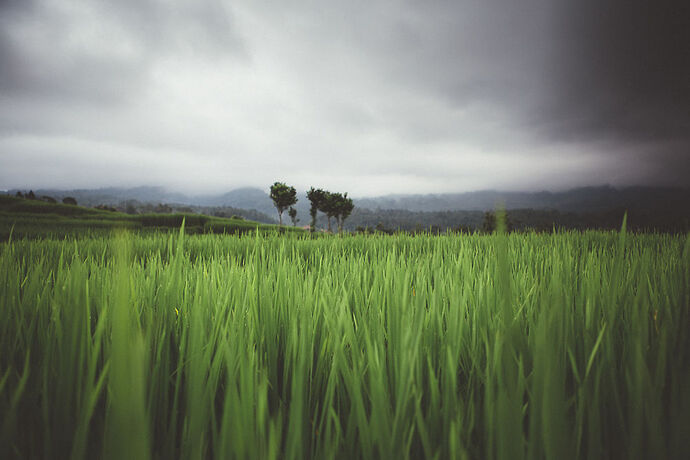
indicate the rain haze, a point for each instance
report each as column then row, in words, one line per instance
column 367, row 97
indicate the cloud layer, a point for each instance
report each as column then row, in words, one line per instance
column 369, row 97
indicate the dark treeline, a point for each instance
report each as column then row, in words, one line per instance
column 137, row 207
column 390, row 220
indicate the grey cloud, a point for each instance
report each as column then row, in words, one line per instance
column 100, row 52
column 481, row 93
column 199, row 27
column 449, row 69
column 603, row 69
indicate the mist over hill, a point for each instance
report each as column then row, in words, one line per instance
column 574, row 200
column 585, row 199
column 668, row 206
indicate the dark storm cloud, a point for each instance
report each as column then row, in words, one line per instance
column 609, row 69
column 615, row 72
column 623, row 71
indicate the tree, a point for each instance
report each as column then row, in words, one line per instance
column 330, row 205
column 497, row 221
column 317, row 198
column 343, row 208
column 130, row 207
column 292, row 212
column 381, row 228
column 283, row 197
column 162, row 208
column 489, row 224
column 334, row 205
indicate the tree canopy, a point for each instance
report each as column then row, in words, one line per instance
column 317, row 198
column 334, row 205
column 283, row 197
column 341, row 206
column 292, row 212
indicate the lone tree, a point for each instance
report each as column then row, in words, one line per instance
column 69, row 200
column 283, row 197
column 292, row 212
column 317, row 198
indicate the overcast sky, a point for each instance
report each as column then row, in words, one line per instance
column 370, row 97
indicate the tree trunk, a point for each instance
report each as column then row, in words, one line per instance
column 312, row 213
column 329, row 224
column 280, row 218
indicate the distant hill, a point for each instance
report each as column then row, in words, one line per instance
column 648, row 204
column 585, row 199
column 664, row 209
column 246, row 197
column 575, row 200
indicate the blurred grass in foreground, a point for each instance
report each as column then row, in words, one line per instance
column 571, row 345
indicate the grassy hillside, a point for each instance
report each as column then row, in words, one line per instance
column 34, row 218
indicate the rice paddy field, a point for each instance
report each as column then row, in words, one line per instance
column 557, row 346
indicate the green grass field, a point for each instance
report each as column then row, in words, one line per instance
column 571, row 345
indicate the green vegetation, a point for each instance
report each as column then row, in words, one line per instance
column 333, row 204
column 283, row 196
column 564, row 345
column 33, row 218
column 292, row 212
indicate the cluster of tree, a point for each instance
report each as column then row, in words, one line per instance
column 392, row 220
column 334, row 205
column 30, row 195
column 135, row 207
